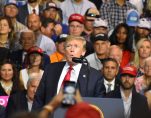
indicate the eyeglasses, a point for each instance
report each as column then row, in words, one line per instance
column 93, row 15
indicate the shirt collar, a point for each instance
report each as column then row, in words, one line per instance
column 75, row 67
column 123, row 95
column 107, row 82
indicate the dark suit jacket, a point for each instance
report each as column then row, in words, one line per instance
column 17, row 102
column 139, row 106
column 88, row 83
column 2, row 112
column 103, row 89
column 23, row 13
column 16, row 57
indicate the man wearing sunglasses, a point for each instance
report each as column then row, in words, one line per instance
column 90, row 15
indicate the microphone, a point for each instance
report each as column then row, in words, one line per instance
column 82, row 60
column 77, row 60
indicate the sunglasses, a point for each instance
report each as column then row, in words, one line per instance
column 93, row 15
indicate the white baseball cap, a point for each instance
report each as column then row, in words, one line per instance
column 98, row 22
column 144, row 23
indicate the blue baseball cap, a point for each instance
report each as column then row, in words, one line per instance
column 132, row 17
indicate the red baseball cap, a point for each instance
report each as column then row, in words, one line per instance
column 35, row 49
column 83, row 110
column 76, row 17
column 131, row 70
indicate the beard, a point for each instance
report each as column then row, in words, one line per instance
column 127, row 85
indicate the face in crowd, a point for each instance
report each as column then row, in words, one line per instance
column 27, row 40
column 110, row 70
column 11, row 11
column 74, row 47
column 33, row 22
column 5, row 27
column 76, row 28
column 6, row 72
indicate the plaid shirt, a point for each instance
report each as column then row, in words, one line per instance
column 114, row 13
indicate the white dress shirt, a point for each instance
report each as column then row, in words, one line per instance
column 127, row 103
column 30, row 9
column 112, row 84
column 74, row 74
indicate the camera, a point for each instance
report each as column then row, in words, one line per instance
column 69, row 91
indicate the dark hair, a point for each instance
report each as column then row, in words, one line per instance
column 128, row 43
column 46, row 21
column 10, row 35
column 29, row 62
column 15, row 79
column 110, row 59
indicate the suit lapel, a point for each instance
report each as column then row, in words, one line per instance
column 82, row 80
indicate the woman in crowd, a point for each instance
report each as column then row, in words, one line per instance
column 143, row 50
column 143, row 83
column 9, row 82
column 6, row 35
column 121, row 37
column 34, row 66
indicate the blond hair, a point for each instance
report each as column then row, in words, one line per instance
column 80, row 38
column 138, row 45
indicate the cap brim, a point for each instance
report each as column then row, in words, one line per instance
column 11, row 4
column 35, row 52
column 90, row 18
column 132, row 24
column 77, row 21
column 129, row 73
column 51, row 7
column 144, row 28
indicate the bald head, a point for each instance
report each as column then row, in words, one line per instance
column 33, row 22
column 116, row 53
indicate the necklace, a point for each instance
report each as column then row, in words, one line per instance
column 77, row 7
column 7, row 88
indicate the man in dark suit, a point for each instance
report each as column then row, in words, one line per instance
column 135, row 104
column 22, row 101
column 27, row 40
column 32, row 6
column 109, row 72
column 2, row 112
column 87, row 79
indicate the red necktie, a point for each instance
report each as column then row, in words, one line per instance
column 68, row 75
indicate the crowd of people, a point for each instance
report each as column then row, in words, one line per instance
column 110, row 41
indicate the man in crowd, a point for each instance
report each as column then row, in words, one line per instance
column 32, row 6
column 116, row 53
column 87, row 79
column 101, row 45
column 27, row 40
column 47, row 27
column 90, row 16
column 115, row 11
column 59, row 54
column 42, row 41
column 109, row 72
column 69, row 7
column 142, row 30
column 22, row 101
column 100, row 26
column 135, row 104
